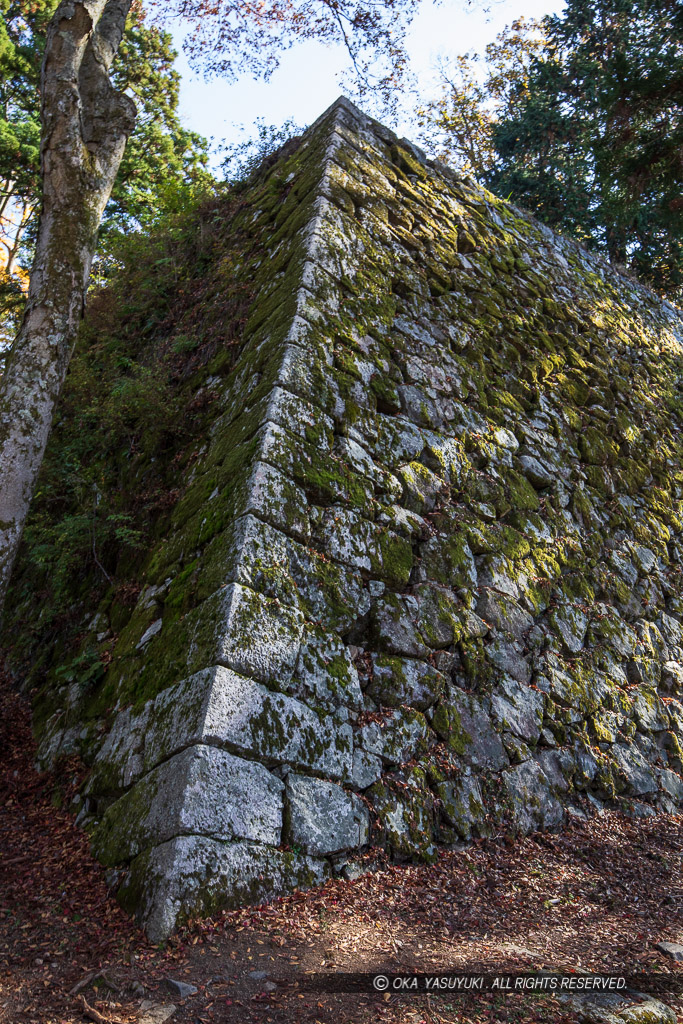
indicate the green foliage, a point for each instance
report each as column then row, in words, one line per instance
column 85, row 669
column 242, row 159
column 594, row 145
column 133, row 413
column 160, row 153
column 582, row 126
column 476, row 93
column 22, row 33
column 11, row 308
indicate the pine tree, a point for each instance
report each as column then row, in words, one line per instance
column 594, row 145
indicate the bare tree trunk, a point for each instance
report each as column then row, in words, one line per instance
column 86, row 124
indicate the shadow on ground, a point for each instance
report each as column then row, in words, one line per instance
column 596, row 897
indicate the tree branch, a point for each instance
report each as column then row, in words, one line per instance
column 68, row 35
column 110, row 29
column 108, row 115
column 80, row 107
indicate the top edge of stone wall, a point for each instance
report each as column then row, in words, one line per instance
column 345, row 107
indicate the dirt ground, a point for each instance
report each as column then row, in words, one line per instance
column 596, row 897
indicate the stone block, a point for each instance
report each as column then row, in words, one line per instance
column 534, row 807
column 200, row 791
column 406, row 813
column 278, row 500
column 366, row 769
column 636, row 776
column 559, row 766
column 194, row 875
column 448, row 560
column 440, row 615
column 570, row 623
column 397, row 681
column 672, row 678
column 463, row 721
column 503, row 612
column 508, row 658
column 462, row 804
column 649, row 710
column 394, row 620
column 221, row 708
column 322, row 818
column 519, row 709
column 397, row 738
column 254, row 635
column 325, row 673
column 535, row 472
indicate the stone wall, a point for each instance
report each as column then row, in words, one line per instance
column 435, row 536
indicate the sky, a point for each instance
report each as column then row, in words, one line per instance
column 307, row 81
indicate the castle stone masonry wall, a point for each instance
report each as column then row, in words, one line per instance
column 445, row 599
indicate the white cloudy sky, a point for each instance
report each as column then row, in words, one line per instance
column 308, row 78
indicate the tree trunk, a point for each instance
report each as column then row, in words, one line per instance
column 616, row 244
column 86, row 124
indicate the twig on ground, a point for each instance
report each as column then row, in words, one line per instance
column 93, row 976
column 9, row 862
column 83, row 982
column 92, row 1014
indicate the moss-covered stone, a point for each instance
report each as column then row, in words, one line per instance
column 418, row 493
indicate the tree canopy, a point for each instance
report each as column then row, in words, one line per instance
column 585, row 130
column 476, row 92
column 160, row 151
column 229, row 37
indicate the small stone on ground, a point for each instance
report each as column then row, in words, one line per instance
column 155, row 1013
column 672, row 949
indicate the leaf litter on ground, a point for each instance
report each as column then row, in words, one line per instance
column 595, row 897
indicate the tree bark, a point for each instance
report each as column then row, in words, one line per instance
column 86, row 124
